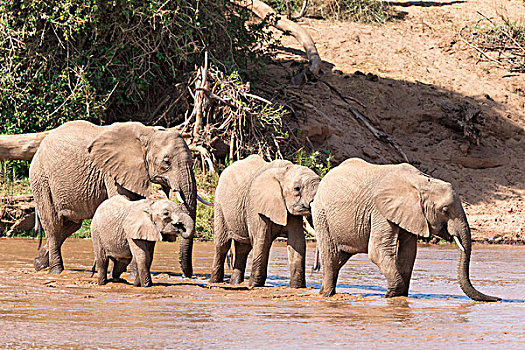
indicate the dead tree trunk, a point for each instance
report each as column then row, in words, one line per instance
column 20, row 147
column 284, row 24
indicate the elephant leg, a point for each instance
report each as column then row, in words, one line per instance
column 47, row 215
column 55, row 242
column 222, row 245
column 41, row 261
column 296, row 246
column 261, row 253
column 382, row 251
column 119, row 266
column 141, row 251
column 133, row 272
column 239, row 265
column 332, row 259
column 102, row 262
column 151, row 251
column 331, row 266
column 406, row 256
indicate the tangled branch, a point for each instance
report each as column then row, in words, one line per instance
column 230, row 121
column 502, row 44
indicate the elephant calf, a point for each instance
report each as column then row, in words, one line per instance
column 255, row 202
column 122, row 229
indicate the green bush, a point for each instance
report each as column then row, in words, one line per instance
column 111, row 60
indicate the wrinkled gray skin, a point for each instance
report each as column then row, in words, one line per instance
column 381, row 210
column 79, row 165
column 255, row 202
column 122, row 229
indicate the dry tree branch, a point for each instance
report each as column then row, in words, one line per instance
column 380, row 135
column 284, row 24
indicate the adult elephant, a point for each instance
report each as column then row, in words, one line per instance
column 79, row 165
column 381, row 210
column 255, row 202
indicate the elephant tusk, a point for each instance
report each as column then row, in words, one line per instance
column 203, row 201
column 179, row 197
column 459, row 244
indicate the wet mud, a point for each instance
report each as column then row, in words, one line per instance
column 39, row 311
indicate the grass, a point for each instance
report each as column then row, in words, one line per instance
column 501, row 41
column 365, row 11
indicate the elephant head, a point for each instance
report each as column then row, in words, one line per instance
column 158, row 220
column 284, row 189
column 135, row 155
column 426, row 206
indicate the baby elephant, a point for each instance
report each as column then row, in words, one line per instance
column 123, row 229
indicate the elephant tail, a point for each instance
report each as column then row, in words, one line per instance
column 317, row 264
column 93, row 268
column 203, row 201
column 38, row 230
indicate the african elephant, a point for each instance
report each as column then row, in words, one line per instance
column 122, row 229
column 79, row 165
column 381, row 210
column 255, row 202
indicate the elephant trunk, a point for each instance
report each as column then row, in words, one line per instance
column 188, row 189
column 189, row 226
column 459, row 228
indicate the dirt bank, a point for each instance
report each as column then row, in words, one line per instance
column 414, row 76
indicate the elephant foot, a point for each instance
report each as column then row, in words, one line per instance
column 297, row 284
column 136, row 283
column 56, row 270
column 215, row 279
column 236, row 278
column 256, row 284
column 327, row 292
column 41, row 262
column 147, row 284
column 118, row 280
column 102, row 281
column 396, row 293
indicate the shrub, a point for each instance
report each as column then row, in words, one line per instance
column 111, row 60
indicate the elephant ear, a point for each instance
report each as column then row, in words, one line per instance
column 138, row 224
column 266, row 196
column 398, row 199
column 119, row 152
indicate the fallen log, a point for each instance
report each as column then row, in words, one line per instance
column 20, row 147
column 284, row 24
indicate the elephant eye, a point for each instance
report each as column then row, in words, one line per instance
column 297, row 188
column 166, row 213
column 445, row 211
column 166, row 162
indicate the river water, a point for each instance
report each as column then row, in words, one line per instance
column 70, row 311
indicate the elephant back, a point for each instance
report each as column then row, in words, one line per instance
column 106, row 225
column 232, row 190
column 61, row 168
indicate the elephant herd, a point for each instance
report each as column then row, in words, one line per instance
column 84, row 171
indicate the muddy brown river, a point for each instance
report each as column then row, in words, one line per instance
column 38, row 311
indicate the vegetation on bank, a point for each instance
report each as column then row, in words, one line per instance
column 501, row 41
column 105, row 61
column 365, row 11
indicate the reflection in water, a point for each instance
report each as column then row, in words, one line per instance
column 71, row 311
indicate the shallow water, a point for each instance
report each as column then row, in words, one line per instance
column 71, row 312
